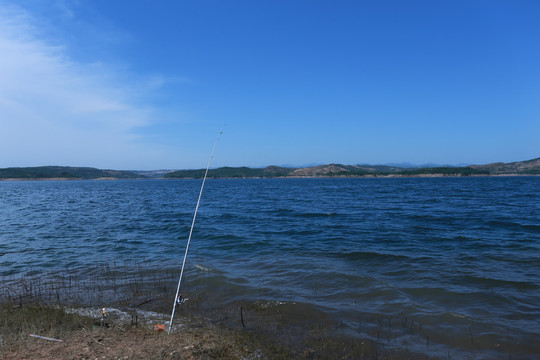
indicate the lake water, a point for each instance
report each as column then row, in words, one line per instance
column 453, row 262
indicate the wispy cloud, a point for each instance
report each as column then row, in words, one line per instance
column 56, row 110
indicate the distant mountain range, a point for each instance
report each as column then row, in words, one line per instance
column 519, row 167
column 529, row 167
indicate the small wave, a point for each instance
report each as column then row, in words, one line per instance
column 289, row 212
column 227, row 216
column 492, row 282
column 282, row 212
column 316, row 215
column 513, row 225
column 203, row 268
column 453, row 315
column 292, row 310
column 2, row 253
column 532, row 228
column 461, row 316
column 369, row 255
column 265, row 304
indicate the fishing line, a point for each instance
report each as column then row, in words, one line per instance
column 191, row 231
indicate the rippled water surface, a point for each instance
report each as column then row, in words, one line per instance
column 460, row 256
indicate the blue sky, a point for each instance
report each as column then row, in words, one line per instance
column 149, row 84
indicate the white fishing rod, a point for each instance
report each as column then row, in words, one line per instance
column 190, row 232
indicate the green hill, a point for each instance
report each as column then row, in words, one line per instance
column 64, row 172
column 445, row 171
column 231, row 172
column 528, row 167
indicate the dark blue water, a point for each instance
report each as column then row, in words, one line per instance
column 458, row 256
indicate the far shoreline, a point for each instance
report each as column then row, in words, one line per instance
column 279, row 177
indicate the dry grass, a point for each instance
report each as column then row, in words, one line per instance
column 83, row 340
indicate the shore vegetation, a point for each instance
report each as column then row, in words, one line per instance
column 523, row 168
column 62, row 306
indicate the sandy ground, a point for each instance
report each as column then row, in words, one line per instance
column 132, row 343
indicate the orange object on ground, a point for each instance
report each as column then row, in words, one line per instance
column 159, row 327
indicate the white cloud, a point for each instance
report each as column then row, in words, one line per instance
column 54, row 110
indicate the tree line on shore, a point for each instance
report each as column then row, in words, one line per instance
column 529, row 167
